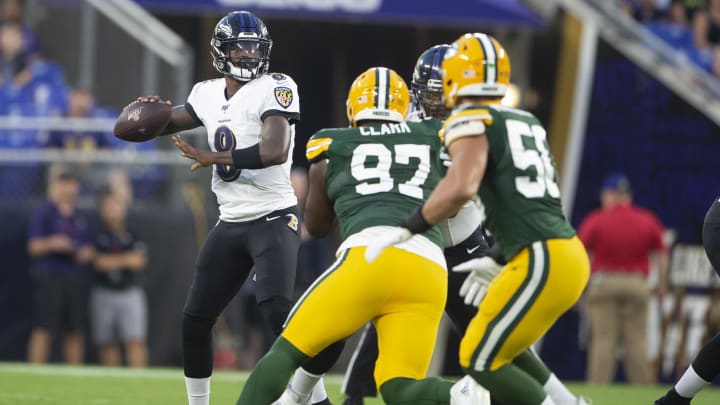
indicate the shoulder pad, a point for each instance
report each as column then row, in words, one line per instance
column 317, row 147
column 466, row 122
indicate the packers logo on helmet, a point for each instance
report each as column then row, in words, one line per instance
column 378, row 94
column 475, row 65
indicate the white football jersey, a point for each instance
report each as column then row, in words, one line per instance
column 247, row 194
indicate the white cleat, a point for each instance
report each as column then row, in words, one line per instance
column 468, row 392
column 289, row 397
column 584, row 401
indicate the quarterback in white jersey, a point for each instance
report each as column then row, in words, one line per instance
column 249, row 115
column 236, row 123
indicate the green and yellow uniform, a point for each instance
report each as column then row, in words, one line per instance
column 375, row 175
column 548, row 266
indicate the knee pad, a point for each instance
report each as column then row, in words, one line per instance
column 275, row 310
column 196, row 330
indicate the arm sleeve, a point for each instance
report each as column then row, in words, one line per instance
column 281, row 99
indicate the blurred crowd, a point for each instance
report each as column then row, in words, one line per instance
column 31, row 86
column 692, row 27
column 87, row 266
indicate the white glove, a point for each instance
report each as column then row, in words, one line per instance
column 482, row 271
column 393, row 236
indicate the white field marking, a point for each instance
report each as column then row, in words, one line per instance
column 13, row 395
column 116, row 372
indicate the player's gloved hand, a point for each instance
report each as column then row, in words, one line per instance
column 482, row 270
column 393, row 236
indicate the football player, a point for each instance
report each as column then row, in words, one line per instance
column 464, row 241
column 501, row 155
column 249, row 115
column 366, row 177
column 706, row 366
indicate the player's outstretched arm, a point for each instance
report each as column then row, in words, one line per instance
column 459, row 185
column 462, row 180
column 319, row 213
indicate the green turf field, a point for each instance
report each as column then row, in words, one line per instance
column 21, row 384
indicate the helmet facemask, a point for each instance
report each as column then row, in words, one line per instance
column 244, row 59
column 430, row 99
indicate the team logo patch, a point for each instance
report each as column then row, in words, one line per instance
column 284, row 96
column 293, row 222
column 278, row 76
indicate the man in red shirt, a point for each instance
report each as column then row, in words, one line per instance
column 620, row 238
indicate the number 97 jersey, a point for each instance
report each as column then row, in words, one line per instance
column 377, row 174
column 520, row 188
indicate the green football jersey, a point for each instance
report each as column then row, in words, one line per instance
column 520, row 190
column 378, row 174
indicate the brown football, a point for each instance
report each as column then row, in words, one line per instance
column 142, row 121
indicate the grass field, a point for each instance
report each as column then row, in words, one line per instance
column 21, row 384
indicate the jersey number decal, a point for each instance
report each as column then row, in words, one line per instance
column 380, row 172
column 225, row 141
column 525, row 156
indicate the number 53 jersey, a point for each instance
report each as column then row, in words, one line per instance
column 377, row 174
column 236, row 123
column 520, row 188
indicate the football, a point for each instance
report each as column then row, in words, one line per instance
column 142, row 121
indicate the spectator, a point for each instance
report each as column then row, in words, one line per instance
column 60, row 247
column 620, row 237
column 12, row 12
column 117, row 300
column 26, row 80
column 646, row 11
column 707, row 25
column 696, row 11
column 81, row 104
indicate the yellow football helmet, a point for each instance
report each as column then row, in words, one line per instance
column 378, row 94
column 475, row 65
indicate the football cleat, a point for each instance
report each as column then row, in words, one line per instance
column 290, row 397
column 378, row 94
column 468, row 392
column 475, row 65
column 583, row 401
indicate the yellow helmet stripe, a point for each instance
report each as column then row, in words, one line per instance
column 382, row 81
column 490, row 57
